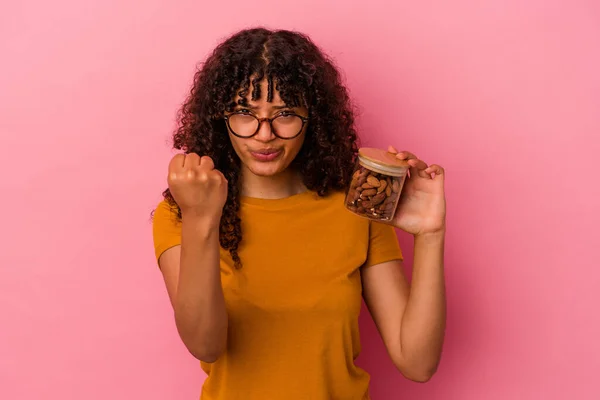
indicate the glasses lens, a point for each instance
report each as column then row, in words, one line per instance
column 243, row 124
column 287, row 125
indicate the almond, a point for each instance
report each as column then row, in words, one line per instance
column 378, row 199
column 373, row 195
column 374, row 182
column 368, row 192
column 366, row 204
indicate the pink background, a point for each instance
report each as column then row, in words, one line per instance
column 505, row 94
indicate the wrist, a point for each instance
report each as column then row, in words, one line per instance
column 434, row 237
column 201, row 221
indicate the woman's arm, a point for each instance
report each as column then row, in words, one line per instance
column 411, row 319
column 192, row 276
column 192, row 270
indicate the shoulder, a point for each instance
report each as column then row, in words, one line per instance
column 165, row 220
column 166, row 227
column 377, row 241
column 165, row 213
column 381, row 238
column 331, row 210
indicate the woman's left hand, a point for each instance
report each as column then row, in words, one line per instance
column 422, row 206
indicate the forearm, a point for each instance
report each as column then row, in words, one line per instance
column 200, row 311
column 424, row 319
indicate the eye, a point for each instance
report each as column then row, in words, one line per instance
column 243, row 111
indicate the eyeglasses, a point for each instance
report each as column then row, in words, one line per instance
column 286, row 125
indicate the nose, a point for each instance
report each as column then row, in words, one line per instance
column 265, row 133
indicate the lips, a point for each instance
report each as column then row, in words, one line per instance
column 266, row 151
column 265, row 154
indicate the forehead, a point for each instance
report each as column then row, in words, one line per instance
column 264, row 93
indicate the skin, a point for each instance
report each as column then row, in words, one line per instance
column 410, row 318
column 271, row 179
column 191, row 271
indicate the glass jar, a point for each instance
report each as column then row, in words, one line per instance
column 376, row 184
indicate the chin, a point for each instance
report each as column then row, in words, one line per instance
column 266, row 169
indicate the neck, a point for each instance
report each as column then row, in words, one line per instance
column 284, row 184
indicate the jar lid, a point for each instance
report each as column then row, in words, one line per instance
column 383, row 158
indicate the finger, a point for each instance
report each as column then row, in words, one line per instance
column 207, row 163
column 221, row 175
column 435, row 169
column 392, row 149
column 176, row 162
column 418, row 167
column 218, row 176
column 405, row 155
column 416, row 163
column 191, row 160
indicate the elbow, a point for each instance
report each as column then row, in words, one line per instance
column 417, row 373
column 206, row 344
column 207, row 354
column 206, row 347
column 420, row 376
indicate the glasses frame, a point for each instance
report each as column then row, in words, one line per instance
column 270, row 121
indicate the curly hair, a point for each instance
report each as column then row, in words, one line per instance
column 303, row 75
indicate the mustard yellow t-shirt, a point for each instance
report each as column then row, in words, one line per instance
column 293, row 307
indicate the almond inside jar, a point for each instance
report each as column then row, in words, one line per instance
column 372, row 193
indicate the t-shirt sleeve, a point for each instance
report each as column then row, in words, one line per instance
column 383, row 244
column 166, row 228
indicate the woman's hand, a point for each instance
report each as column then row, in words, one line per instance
column 197, row 187
column 422, row 206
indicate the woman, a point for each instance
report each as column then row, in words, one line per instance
column 264, row 266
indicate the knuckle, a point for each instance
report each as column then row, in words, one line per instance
column 172, row 176
column 214, row 176
column 202, row 176
column 206, row 160
column 183, row 176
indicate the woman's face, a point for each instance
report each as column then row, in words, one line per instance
column 265, row 154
